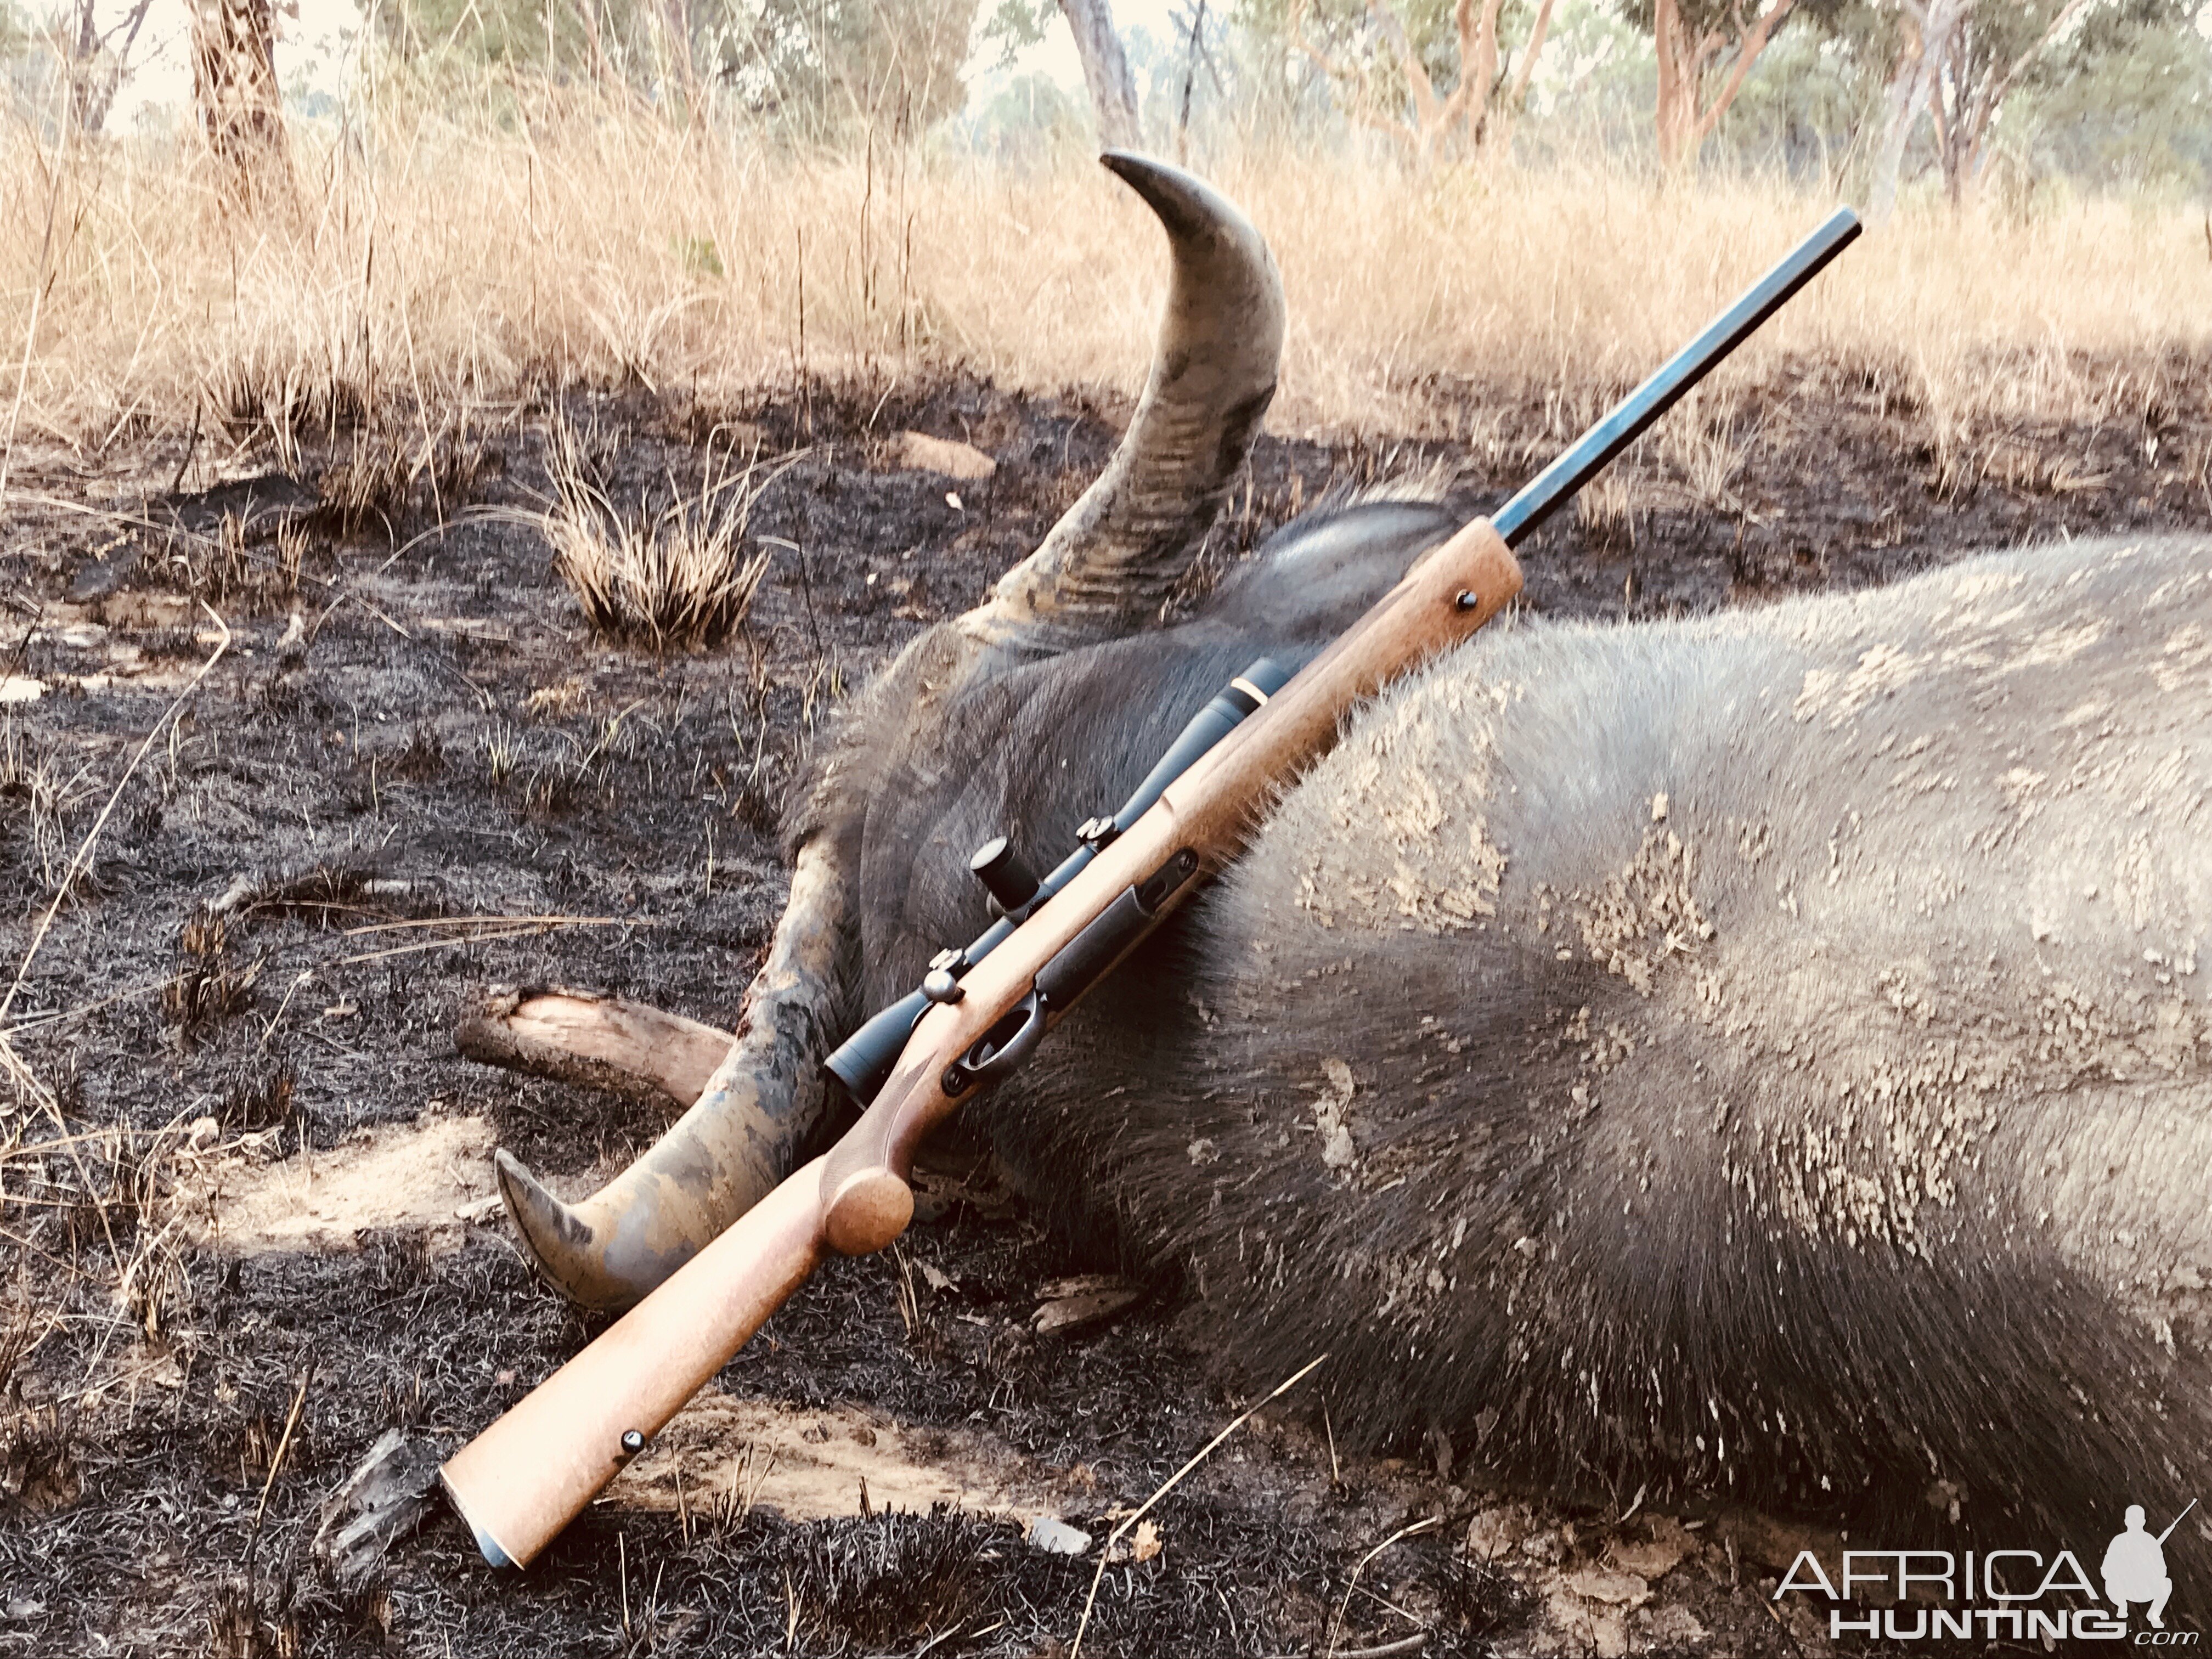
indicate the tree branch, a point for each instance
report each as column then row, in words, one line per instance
column 1520, row 86
column 1350, row 89
column 1478, row 64
column 1986, row 106
column 1422, row 90
column 1754, row 42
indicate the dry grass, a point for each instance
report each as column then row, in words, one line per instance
column 436, row 262
column 255, row 571
column 210, row 985
column 1606, row 508
column 34, row 800
column 385, row 471
column 677, row 578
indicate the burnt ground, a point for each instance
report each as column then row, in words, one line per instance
column 413, row 724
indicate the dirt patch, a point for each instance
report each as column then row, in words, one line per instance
column 917, row 452
column 729, row 1455
column 433, row 1175
column 145, row 612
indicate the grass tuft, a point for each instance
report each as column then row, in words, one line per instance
column 1606, row 508
column 258, row 1099
column 37, row 1461
column 34, row 797
column 389, row 472
column 675, row 579
column 209, row 987
column 373, row 485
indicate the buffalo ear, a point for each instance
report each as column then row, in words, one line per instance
column 1106, row 568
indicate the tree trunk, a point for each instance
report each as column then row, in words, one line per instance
column 1431, row 115
column 1105, row 71
column 1679, row 70
column 1911, row 85
column 1685, row 119
column 97, row 68
column 1951, row 122
column 84, row 55
column 1477, row 62
column 1967, row 128
column 240, row 108
column 1498, row 134
column 1429, row 124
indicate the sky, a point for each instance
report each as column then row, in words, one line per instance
column 317, row 38
column 1056, row 54
column 315, row 43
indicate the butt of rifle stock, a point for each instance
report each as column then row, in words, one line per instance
column 529, row 1474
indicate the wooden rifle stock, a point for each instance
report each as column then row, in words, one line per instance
column 525, row 1478
column 533, row 1471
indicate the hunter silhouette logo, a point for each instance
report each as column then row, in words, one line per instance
column 2135, row 1566
column 2015, row 1594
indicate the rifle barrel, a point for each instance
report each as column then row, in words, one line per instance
column 2176, row 1522
column 1556, row 484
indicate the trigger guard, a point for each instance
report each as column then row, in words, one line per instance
column 985, row 1064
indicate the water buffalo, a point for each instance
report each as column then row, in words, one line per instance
column 1765, row 1052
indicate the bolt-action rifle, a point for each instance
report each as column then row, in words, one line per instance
column 983, row 1011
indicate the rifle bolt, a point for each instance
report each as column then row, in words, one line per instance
column 633, row 1442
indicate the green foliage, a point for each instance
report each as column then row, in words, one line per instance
column 1727, row 16
column 1032, row 117
column 2127, row 102
column 555, row 36
column 1812, row 99
column 2126, row 77
column 1013, row 25
column 1870, row 33
column 818, row 66
column 829, row 65
column 1343, row 32
column 699, row 254
column 1804, row 105
column 2123, row 98
column 1998, row 37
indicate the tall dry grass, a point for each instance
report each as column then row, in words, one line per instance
column 440, row 259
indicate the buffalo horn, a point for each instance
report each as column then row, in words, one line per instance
column 1114, row 556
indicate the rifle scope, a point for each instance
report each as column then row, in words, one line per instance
column 865, row 1059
